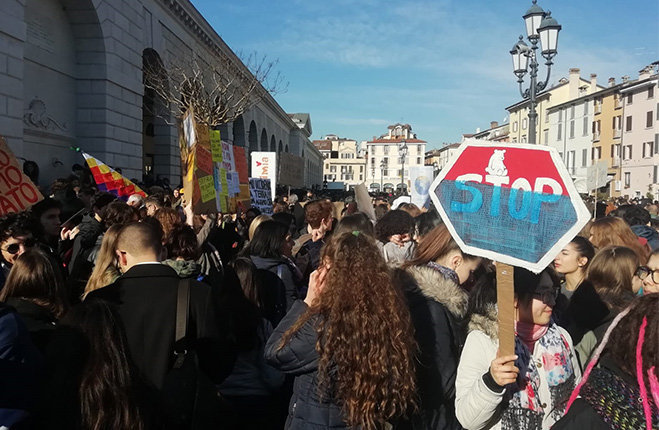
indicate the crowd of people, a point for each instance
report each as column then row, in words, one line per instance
column 145, row 315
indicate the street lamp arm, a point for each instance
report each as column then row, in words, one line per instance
column 523, row 93
column 542, row 85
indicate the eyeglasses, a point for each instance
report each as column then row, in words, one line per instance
column 14, row 248
column 644, row 271
column 547, row 297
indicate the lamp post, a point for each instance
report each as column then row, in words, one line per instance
column 402, row 151
column 382, row 167
column 435, row 169
column 540, row 26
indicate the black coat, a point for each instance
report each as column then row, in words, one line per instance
column 437, row 307
column 299, row 358
column 583, row 312
column 279, row 267
column 145, row 297
column 39, row 322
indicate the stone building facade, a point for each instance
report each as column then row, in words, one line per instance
column 71, row 75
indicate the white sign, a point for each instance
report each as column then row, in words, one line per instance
column 264, row 166
column 420, row 179
column 597, row 175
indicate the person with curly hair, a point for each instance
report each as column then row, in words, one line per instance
column 349, row 343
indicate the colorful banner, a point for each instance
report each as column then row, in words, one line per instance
column 111, row 181
column 261, row 198
column 17, row 192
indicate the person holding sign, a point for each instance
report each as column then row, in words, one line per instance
column 530, row 389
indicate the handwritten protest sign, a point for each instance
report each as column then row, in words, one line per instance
column 420, row 178
column 216, row 146
column 204, row 159
column 207, row 188
column 17, row 192
column 512, row 203
column 264, row 166
column 261, row 197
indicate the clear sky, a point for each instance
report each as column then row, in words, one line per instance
column 443, row 66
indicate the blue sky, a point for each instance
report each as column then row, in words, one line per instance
column 442, row 66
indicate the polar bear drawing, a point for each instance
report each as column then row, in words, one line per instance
column 495, row 166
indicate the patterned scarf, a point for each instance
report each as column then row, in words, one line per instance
column 445, row 271
column 525, row 410
column 617, row 402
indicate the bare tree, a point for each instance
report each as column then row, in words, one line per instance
column 218, row 91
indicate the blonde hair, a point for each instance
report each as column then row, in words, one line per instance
column 105, row 271
column 255, row 223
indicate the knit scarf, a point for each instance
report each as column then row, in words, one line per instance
column 525, row 409
column 530, row 333
column 445, row 271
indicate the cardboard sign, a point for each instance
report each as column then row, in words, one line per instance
column 17, row 192
column 261, row 198
column 204, row 159
column 216, row 146
column 264, row 166
column 197, row 165
column 420, row 179
column 513, row 203
column 364, row 203
column 207, row 188
column 291, row 170
column 241, row 164
column 228, row 161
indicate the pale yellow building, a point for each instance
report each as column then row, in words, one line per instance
column 607, row 133
column 566, row 89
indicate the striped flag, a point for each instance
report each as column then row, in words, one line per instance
column 109, row 180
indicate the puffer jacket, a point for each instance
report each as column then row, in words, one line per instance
column 477, row 406
column 298, row 357
column 437, row 307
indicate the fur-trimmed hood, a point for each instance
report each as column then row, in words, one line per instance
column 487, row 323
column 435, row 286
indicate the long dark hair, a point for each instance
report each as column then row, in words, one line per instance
column 108, row 383
column 241, row 316
column 34, row 277
column 268, row 240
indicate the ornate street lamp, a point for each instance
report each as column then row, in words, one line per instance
column 383, row 166
column 540, row 26
column 402, row 151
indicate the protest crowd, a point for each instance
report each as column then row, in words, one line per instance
column 329, row 313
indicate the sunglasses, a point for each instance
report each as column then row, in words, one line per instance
column 644, row 271
column 14, row 248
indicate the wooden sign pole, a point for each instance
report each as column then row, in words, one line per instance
column 506, row 309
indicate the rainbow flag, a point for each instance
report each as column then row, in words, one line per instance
column 109, row 180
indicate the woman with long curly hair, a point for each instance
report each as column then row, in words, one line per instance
column 349, row 344
column 614, row 231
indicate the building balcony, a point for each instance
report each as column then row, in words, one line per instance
column 617, row 133
column 598, row 109
column 615, row 162
column 596, row 136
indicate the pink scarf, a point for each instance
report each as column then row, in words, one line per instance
column 530, row 333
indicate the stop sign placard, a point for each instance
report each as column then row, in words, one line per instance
column 512, row 203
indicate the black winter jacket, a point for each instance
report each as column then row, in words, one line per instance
column 437, row 307
column 300, row 359
column 279, row 267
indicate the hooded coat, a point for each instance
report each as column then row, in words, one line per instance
column 478, row 405
column 437, row 306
